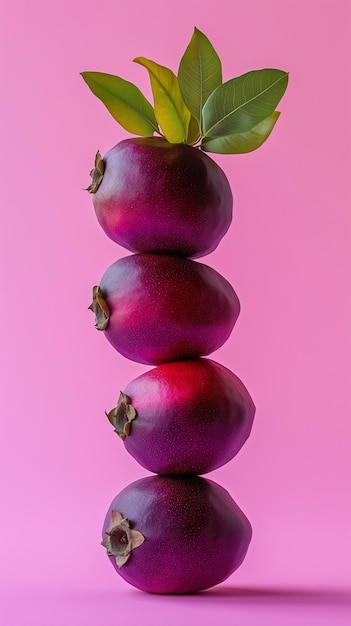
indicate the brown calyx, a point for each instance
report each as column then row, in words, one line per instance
column 122, row 415
column 97, row 173
column 120, row 539
column 101, row 309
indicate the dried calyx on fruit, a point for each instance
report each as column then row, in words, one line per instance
column 97, row 173
column 100, row 308
column 120, row 539
column 122, row 415
column 196, row 107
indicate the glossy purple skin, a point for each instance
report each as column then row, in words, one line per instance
column 192, row 417
column 195, row 534
column 167, row 308
column 162, row 197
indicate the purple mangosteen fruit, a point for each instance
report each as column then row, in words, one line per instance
column 156, row 308
column 185, row 417
column 175, row 534
column 154, row 196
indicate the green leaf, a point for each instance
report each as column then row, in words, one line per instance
column 241, row 103
column 171, row 112
column 194, row 133
column 242, row 142
column 124, row 101
column 200, row 73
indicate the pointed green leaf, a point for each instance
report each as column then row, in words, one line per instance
column 200, row 73
column 194, row 133
column 124, row 101
column 171, row 112
column 242, row 142
column 241, row 103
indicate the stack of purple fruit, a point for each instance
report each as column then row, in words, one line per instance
column 167, row 202
column 174, row 532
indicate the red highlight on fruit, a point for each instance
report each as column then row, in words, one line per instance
column 185, row 417
column 166, row 201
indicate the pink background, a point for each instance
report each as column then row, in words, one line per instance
column 288, row 256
